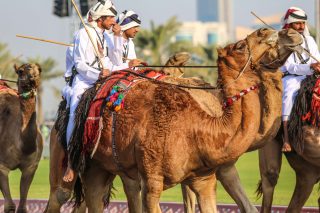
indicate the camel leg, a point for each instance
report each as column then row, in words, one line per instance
column 25, row 182
column 306, row 177
column 9, row 206
column 133, row 192
column 230, row 180
column 60, row 191
column 151, row 192
column 270, row 158
column 97, row 185
column 205, row 190
column 189, row 199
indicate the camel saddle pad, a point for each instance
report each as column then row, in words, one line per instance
column 4, row 88
column 111, row 94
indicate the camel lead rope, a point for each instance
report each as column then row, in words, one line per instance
column 113, row 141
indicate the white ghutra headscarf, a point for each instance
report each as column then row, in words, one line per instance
column 295, row 14
column 128, row 19
column 102, row 8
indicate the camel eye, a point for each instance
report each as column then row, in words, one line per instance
column 240, row 45
column 20, row 72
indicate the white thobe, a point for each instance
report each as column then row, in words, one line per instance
column 128, row 52
column 297, row 72
column 88, row 73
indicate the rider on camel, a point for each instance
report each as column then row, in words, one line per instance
column 101, row 18
column 297, row 66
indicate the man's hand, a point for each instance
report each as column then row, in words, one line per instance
column 315, row 67
column 104, row 73
column 116, row 29
column 135, row 62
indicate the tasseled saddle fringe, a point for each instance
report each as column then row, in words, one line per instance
column 77, row 153
column 62, row 123
column 301, row 107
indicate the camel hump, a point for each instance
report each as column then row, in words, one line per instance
column 6, row 89
column 208, row 100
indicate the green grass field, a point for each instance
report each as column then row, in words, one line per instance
column 247, row 167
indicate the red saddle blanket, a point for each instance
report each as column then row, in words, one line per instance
column 112, row 92
column 4, row 87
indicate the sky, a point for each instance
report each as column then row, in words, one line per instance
column 35, row 18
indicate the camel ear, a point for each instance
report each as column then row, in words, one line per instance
column 39, row 67
column 221, row 52
column 15, row 66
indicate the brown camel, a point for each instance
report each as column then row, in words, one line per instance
column 152, row 129
column 21, row 141
column 60, row 191
column 305, row 161
column 269, row 125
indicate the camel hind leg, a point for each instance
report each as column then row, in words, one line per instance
column 307, row 176
column 9, row 206
column 270, row 158
column 97, row 187
column 133, row 192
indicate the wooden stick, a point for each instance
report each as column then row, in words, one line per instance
column 261, row 20
column 45, row 40
column 86, row 28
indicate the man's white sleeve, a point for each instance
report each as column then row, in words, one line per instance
column 115, row 50
column 81, row 53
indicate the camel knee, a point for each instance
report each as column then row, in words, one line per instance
column 63, row 195
column 272, row 177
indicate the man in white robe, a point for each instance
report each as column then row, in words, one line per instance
column 89, row 64
column 297, row 66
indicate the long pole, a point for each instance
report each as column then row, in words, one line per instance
column 44, row 40
column 317, row 21
column 86, row 28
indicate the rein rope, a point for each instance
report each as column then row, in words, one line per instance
column 162, row 82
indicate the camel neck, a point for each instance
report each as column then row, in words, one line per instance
column 28, row 108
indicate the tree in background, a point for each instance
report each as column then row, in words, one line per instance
column 156, row 45
column 49, row 72
column 153, row 45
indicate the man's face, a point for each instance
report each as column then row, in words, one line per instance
column 298, row 26
column 132, row 32
column 107, row 22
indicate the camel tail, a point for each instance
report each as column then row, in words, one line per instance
column 61, row 123
column 109, row 194
column 78, row 195
column 259, row 189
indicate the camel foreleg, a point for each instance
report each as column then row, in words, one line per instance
column 205, row 190
column 189, row 199
column 151, row 192
column 230, row 180
column 270, row 158
column 9, row 206
column 25, row 182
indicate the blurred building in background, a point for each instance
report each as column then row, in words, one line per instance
column 213, row 26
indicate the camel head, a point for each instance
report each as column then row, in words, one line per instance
column 28, row 77
column 245, row 56
column 178, row 59
column 276, row 57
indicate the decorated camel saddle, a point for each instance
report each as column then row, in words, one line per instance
column 306, row 110
column 111, row 94
column 5, row 88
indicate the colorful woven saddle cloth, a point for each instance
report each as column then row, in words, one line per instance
column 112, row 94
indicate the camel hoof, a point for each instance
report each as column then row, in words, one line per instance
column 63, row 195
column 10, row 208
column 22, row 210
